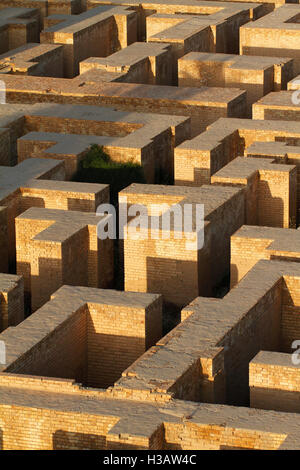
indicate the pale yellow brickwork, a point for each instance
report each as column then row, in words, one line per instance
column 18, row 25
column 56, row 247
column 270, row 189
column 96, row 32
column 276, row 35
column 143, row 139
column 138, row 63
column 274, row 382
column 45, row 7
column 169, row 262
column 28, row 185
column 280, row 151
column 196, row 160
column 251, row 244
column 280, row 106
column 33, row 59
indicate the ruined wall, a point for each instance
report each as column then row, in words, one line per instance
column 274, row 382
column 116, row 337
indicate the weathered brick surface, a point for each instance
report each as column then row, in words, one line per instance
column 56, row 247
column 33, row 59
column 260, row 313
column 196, row 160
column 274, row 382
column 92, row 87
column 28, row 185
column 98, row 32
column 276, row 34
column 141, row 138
column 250, row 244
column 18, row 25
column 169, row 262
column 257, row 75
column 271, row 190
column 91, row 335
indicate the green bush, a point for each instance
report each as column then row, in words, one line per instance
column 97, row 167
column 96, row 157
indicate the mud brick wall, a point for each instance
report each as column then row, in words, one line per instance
column 22, row 32
column 67, row 7
column 59, row 196
column 5, row 147
column 11, row 301
column 87, row 260
column 280, row 152
column 61, row 430
column 256, row 83
column 51, row 64
column 169, row 266
column 270, row 195
column 96, row 40
column 44, row 271
column 13, row 209
column 90, row 342
column 116, row 337
column 283, row 110
column 29, row 265
column 145, row 157
column 161, row 266
column 196, row 41
column 245, row 253
column 196, row 160
column 203, row 110
column 154, row 265
column 100, row 261
column 47, row 7
column 201, row 115
column 277, row 194
column 290, row 323
column 62, row 353
column 71, row 429
column 46, row 264
column 16, row 130
column 100, row 39
column 274, row 382
column 38, row 149
column 225, row 220
column 54, row 196
column 78, row 126
column 195, row 166
column 274, row 41
column 263, row 325
column 3, row 240
column 258, row 76
column 4, row 40
column 216, row 437
column 74, row 262
column 192, row 168
column 127, row 29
